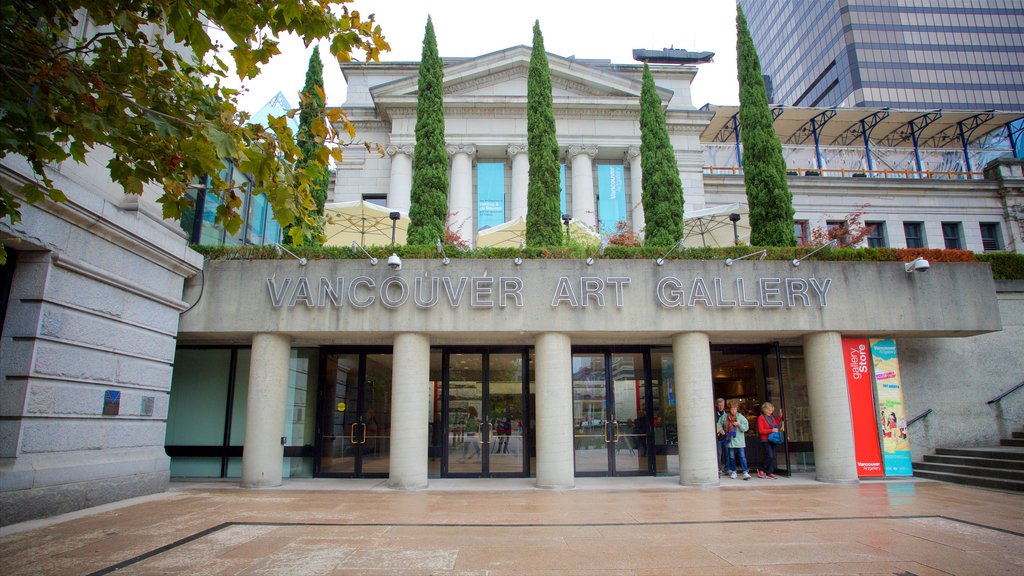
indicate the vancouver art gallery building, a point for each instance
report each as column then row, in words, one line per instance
column 548, row 369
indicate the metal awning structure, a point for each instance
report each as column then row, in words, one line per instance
column 882, row 127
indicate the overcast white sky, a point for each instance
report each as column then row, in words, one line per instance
column 598, row 29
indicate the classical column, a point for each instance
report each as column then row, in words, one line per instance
column 695, row 415
column 460, row 200
column 584, row 209
column 636, row 185
column 400, row 188
column 553, row 354
column 410, row 407
column 263, row 453
column 517, row 153
column 831, row 422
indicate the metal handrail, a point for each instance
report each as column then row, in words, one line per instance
column 1007, row 393
column 919, row 416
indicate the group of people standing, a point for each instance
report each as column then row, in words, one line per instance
column 732, row 427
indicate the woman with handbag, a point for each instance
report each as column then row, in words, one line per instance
column 769, row 430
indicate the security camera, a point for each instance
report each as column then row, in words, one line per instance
column 395, row 262
column 917, row 265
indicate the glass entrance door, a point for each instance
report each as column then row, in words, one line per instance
column 611, row 408
column 355, row 415
column 485, row 398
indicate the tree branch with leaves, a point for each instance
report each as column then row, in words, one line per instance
column 144, row 79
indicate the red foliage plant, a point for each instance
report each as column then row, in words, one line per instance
column 851, row 232
column 623, row 235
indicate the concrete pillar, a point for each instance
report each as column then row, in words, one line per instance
column 460, row 200
column 400, row 189
column 831, row 422
column 695, row 401
column 553, row 353
column 584, row 207
column 636, row 185
column 263, row 453
column 410, row 407
column 517, row 153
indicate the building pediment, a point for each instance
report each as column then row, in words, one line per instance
column 503, row 75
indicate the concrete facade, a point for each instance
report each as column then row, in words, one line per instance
column 93, row 312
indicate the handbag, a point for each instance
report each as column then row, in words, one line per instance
column 775, row 437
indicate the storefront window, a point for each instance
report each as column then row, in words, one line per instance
column 195, row 415
column 797, row 414
column 666, row 433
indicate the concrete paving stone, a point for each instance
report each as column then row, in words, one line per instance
column 664, row 530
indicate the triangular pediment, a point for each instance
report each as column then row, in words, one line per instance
column 503, row 74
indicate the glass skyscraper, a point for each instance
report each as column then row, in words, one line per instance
column 912, row 54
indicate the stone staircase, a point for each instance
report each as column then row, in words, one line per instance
column 1000, row 467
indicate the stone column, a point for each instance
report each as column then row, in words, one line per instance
column 831, row 422
column 636, row 189
column 460, row 200
column 263, row 453
column 695, row 400
column 410, row 406
column 517, row 153
column 553, row 354
column 584, row 208
column 400, row 188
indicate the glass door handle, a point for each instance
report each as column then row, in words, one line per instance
column 485, row 432
column 607, row 440
column 616, row 432
column 352, row 433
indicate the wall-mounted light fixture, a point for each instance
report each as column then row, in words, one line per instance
column 279, row 249
column 358, row 246
column 661, row 261
column 763, row 253
column 917, row 265
column 440, row 250
column 518, row 260
column 600, row 251
column 831, row 244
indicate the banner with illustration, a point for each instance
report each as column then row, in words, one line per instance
column 893, row 417
column 857, row 358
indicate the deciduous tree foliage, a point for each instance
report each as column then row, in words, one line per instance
column 662, row 189
column 764, row 169
column 313, row 110
column 429, row 203
column 543, row 201
column 144, row 80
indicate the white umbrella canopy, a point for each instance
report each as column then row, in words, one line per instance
column 713, row 226
column 506, row 235
column 510, row 234
column 364, row 222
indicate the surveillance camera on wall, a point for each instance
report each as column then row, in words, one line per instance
column 395, row 262
column 917, row 265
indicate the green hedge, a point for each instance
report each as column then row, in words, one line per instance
column 1005, row 265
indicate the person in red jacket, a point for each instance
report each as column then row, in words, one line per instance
column 766, row 424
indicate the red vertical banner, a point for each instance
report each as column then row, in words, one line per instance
column 857, row 358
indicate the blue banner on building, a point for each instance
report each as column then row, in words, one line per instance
column 611, row 195
column 490, row 190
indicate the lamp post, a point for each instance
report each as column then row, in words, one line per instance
column 565, row 220
column 394, row 220
column 734, row 218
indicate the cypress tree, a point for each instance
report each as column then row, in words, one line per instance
column 429, row 202
column 543, row 200
column 764, row 169
column 313, row 109
column 662, row 189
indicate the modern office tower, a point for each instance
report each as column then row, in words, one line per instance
column 911, row 54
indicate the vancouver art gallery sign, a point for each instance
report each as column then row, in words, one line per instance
column 430, row 291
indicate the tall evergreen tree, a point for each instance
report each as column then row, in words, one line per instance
column 429, row 203
column 313, row 112
column 543, row 200
column 662, row 189
column 764, row 169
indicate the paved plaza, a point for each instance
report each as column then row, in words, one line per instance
column 605, row 526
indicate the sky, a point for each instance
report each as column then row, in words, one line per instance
column 594, row 29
